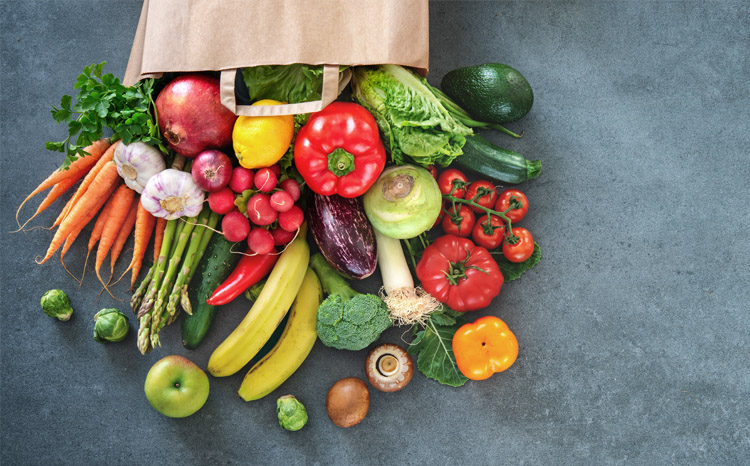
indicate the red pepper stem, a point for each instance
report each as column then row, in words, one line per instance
column 340, row 162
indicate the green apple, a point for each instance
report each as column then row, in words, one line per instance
column 176, row 387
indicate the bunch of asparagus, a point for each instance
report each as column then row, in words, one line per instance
column 156, row 300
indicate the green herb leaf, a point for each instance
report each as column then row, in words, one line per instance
column 445, row 316
column 103, row 102
column 433, row 346
column 55, row 146
column 513, row 270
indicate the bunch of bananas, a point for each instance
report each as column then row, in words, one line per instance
column 291, row 287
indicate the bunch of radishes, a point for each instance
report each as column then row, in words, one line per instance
column 259, row 208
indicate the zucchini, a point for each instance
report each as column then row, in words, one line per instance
column 216, row 265
column 489, row 160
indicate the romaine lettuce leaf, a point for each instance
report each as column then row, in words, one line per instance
column 416, row 126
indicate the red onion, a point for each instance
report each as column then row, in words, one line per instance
column 211, row 170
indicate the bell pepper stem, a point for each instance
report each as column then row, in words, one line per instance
column 340, row 162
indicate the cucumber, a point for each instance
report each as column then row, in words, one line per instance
column 489, row 160
column 216, row 265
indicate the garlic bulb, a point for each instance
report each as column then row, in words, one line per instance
column 137, row 162
column 172, row 194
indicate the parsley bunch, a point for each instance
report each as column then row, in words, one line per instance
column 103, row 102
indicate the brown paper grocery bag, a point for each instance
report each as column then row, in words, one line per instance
column 227, row 35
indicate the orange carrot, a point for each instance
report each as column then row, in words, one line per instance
column 123, row 199
column 122, row 236
column 77, row 230
column 57, row 190
column 144, row 228
column 96, row 233
column 91, row 201
column 90, row 176
column 63, row 213
column 161, row 224
column 81, row 164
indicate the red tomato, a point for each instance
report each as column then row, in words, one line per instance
column 432, row 170
column 459, row 223
column 522, row 248
column 490, row 235
column 486, row 200
column 445, row 182
column 514, row 200
column 457, row 272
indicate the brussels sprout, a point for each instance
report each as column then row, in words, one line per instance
column 110, row 325
column 292, row 413
column 55, row 303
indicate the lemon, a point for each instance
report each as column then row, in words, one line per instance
column 262, row 141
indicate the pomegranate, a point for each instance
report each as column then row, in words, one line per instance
column 191, row 116
column 211, row 170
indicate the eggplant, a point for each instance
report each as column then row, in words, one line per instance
column 343, row 233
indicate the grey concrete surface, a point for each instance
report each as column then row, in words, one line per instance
column 633, row 330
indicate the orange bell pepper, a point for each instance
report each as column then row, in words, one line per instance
column 484, row 347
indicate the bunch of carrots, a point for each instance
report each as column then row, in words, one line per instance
column 101, row 191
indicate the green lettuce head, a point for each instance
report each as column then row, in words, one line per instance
column 413, row 120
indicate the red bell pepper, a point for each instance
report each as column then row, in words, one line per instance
column 459, row 273
column 248, row 271
column 484, row 347
column 339, row 150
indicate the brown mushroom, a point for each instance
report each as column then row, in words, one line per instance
column 348, row 401
column 389, row 367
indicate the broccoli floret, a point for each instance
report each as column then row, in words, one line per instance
column 55, row 303
column 347, row 319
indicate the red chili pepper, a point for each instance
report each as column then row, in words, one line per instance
column 459, row 273
column 339, row 150
column 248, row 271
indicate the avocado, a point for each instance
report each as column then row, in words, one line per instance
column 490, row 92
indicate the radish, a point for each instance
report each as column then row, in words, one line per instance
column 292, row 187
column 221, row 201
column 235, row 226
column 281, row 201
column 265, row 179
column 259, row 209
column 260, row 241
column 276, row 169
column 291, row 219
column 242, row 179
column 282, row 237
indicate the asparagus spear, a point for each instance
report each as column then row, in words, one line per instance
column 190, row 255
column 192, row 258
column 157, row 272
column 166, row 285
column 137, row 298
column 161, row 263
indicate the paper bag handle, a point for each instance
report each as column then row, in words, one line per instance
column 331, row 89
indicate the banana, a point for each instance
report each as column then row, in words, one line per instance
column 268, row 311
column 292, row 348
